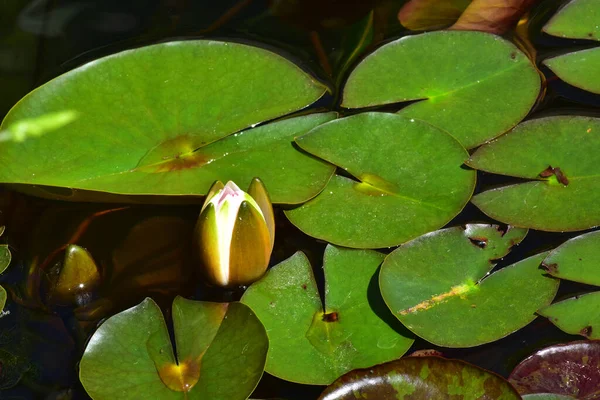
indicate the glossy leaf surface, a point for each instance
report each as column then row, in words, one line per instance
column 570, row 369
column 579, row 315
column 421, row 378
column 143, row 113
column 561, row 157
column 473, row 85
column 313, row 344
column 400, row 193
column 577, row 259
column 221, row 351
column 579, row 19
column 442, row 280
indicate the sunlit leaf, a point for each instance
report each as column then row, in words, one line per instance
column 570, row 369
column 312, row 344
column 421, row 378
column 221, row 350
column 561, row 158
column 147, row 116
column 473, row 85
column 443, row 279
column 399, row 193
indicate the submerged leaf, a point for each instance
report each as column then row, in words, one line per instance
column 221, row 350
column 353, row 330
column 421, row 378
column 421, row 15
column 493, row 16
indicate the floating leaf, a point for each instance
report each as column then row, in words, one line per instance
column 221, row 351
column 315, row 345
column 166, row 103
column 400, row 193
column 421, row 15
column 421, row 378
column 442, row 280
column 474, row 85
column 579, row 19
column 577, row 259
column 570, row 369
column 578, row 315
column 561, row 157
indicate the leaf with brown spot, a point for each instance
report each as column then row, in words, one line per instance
column 421, row 378
column 570, row 369
column 442, row 279
column 579, row 315
column 221, row 352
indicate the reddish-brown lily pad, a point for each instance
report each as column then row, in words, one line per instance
column 570, row 369
column 421, row 378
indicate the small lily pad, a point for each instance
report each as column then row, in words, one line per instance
column 312, row 344
column 400, row 193
column 561, row 157
column 167, row 103
column 578, row 315
column 421, row 378
column 570, row 369
column 5, row 255
column 442, row 280
column 473, row 85
column 579, row 19
column 221, row 351
column 577, row 259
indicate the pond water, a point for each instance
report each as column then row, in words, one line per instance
column 145, row 250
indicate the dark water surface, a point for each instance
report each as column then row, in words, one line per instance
column 145, row 250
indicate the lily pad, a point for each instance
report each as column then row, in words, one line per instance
column 570, row 369
column 400, row 193
column 577, row 259
column 561, row 157
column 144, row 117
column 312, row 344
column 421, row 378
column 578, row 315
column 474, row 85
column 443, row 279
column 221, row 351
column 579, row 19
column 5, row 255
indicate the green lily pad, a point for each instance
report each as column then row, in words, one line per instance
column 221, row 351
column 312, row 344
column 474, row 85
column 561, row 157
column 5, row 256
column 578, row 315
column 145, row 117
column 569, row 369
column 577, row 259
column 443, row 279
column 579, row 19
column 421, row 378
column 392, row 202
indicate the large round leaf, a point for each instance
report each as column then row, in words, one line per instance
column 442, row 280
column 421, row 378
column 577, row 259
column 474, row 85
column 580, row 19
column 570, row 369
column 561, row 157
column 578, row 315
column 315, row 345
column 142, row 114
column 410, row 181
column 221, row 351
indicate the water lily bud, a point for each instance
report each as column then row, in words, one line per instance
column 75, row 279
column 235, row 233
